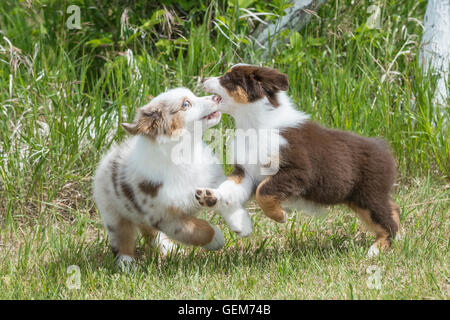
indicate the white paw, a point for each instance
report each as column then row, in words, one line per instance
column 207, row 197
column 126, row 263
column 218, row 240
column 399, row 236
column 165, row 245
column 373, row 251
column 240, row 222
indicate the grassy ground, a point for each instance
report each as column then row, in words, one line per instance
column 307, row 258
column 63, row 93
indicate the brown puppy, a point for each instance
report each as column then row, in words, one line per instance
column 317, row 166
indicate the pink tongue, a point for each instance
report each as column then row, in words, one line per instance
column 212, row 115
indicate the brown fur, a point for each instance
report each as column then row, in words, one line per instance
column 331, row 167
column 271, row 205
column 176, row 125
column 206, row 199
column 114, row 172
column 148, row 232
column 175, row 212
column 127, row 236
column 195, row 231
column 126, row 231
column 152, row 121
column 237, row 175
column 323, row 165
column 149, row 187
column 129, row 193
column 251, row 83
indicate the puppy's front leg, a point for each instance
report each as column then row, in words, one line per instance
column 229, row 199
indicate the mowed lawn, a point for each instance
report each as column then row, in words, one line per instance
column 64, row 93
column 306, row 258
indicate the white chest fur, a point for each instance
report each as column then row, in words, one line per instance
column 140, row 161
column 258, row 137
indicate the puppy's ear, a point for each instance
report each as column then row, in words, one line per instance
column 272, row 79
column 131, row 128
column 148, row 122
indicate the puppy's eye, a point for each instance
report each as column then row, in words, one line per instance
column 226, row 77
column 186, row 104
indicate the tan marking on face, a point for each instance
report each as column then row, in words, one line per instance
column 158, row 119
column 270, row 204
column 176, row 125
column 238, row 95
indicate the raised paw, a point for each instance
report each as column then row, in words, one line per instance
column 239, row 222
column 206, row 197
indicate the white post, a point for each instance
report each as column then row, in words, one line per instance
column 435, row 53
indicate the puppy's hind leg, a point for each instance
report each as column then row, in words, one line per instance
column 396, row 215
column 269, row 199
column 126, row 236
column 381, row 218
column 122, row 236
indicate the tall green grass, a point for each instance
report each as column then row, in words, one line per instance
column 62, row 98
column 63, row 94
